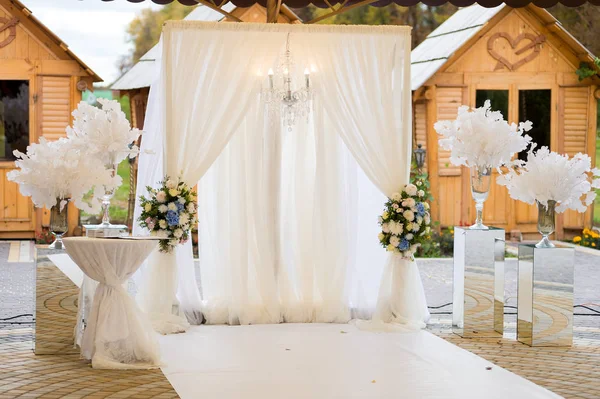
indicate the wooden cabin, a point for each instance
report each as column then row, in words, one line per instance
column 524, row 61
column 41, row 82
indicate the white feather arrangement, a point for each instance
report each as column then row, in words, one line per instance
column 481, row 137
column 59, row 170
column 548, row 176
column 103, row 132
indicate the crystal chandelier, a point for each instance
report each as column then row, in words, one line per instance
column 281, row 98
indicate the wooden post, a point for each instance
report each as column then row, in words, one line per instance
column 273, row 7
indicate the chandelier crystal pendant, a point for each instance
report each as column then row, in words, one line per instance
column 281, row 97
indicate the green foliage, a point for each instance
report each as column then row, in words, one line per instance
column 440, row 245
column 423, row 19
column 586, row 71
column 45, row 237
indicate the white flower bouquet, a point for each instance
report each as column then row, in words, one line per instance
column 405, row 221
column 549, row 176
column 169, row 213
column 58, row 171
column 481, row 137
column 104, row 132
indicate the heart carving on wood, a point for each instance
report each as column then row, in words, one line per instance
column 9, row 24
column 525, row 42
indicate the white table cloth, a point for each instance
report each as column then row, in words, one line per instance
column 118, row 334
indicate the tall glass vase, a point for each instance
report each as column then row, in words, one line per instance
column 546, row 226
column 108, row 194
column 481, row 178
column 59, row 223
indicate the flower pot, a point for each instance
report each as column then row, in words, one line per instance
column 546, row 223
column 481, row 178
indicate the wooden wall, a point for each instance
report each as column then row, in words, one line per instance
column 573, row 117
column 53, row 95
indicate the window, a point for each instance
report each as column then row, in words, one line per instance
column 14, row 117
column 534, row 106
column 498, row 99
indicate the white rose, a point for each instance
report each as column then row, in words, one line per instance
column 191, row 207
column 181, row 200
column 411, row 189
column 416, row 227
column 184, row 218
column 419, row 183
column 171, row 184
column 178, row 233
column 162, row 233
column 173, row 192
column 395, row 206
column 163, row 208
column 399, row 210
column 161, row 196
column 394, row 240
column 385, row 228
column 411, row 202
column 409, row 236
column 419, row 219
column 421, row 193
column 148, row 207
column 162, row 224
column 427, row 219
column 409, row 215
column 396, row 197
column 172, row 206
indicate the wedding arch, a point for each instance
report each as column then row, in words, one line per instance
column 287, row 217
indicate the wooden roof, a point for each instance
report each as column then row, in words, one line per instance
column 50, row 40
column 383, row 3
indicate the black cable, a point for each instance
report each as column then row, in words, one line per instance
column 16, row 317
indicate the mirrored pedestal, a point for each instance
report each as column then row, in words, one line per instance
column 478, row 296
column 545, row 296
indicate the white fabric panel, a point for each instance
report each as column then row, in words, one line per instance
column 317, row 361
column 299, row 253
column 117, row 334
column 364, row 81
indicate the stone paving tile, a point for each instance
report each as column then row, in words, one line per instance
column 572, row 372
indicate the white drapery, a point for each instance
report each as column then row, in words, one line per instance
column 117, row 334
column 283, row 249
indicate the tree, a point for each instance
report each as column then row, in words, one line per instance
column 145, row 29
column 423, row 19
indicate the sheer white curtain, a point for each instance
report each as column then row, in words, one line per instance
column 365, row 84
column 278, row 225
column 201, row 97
column 276, row 238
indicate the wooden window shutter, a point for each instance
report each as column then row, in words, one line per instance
column 574, row 125
column 575, row 119
column 55, row 109
column 448, row 100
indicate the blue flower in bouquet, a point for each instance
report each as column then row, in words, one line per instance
column 420, row 209
column 404, row 244
column 179, row 206
column 172, row 218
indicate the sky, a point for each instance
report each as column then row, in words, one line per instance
column 93, row 29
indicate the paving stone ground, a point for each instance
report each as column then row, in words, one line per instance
column 571, row 372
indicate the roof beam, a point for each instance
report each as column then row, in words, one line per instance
column 211, row 4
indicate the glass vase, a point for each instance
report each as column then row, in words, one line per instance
column 546, row 218
column 59, row 223
column 108, row 194
column 481, row 178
